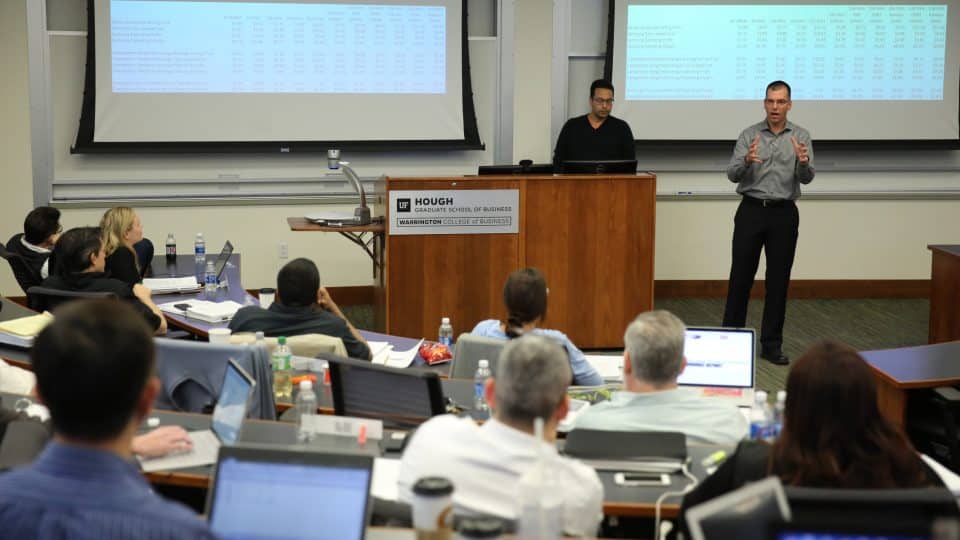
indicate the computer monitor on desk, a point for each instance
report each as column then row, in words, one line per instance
column 608, row 166
column 402, row 398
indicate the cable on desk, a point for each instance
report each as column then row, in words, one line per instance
column 685, row 469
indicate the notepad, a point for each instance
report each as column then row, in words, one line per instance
column 21, row 332
column 172, row 284
column 204, row 310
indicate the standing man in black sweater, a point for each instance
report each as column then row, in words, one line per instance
column 597, row 135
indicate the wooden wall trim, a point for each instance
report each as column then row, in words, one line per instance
column 802, row 288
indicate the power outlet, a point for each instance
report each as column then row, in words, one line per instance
column 282, row 250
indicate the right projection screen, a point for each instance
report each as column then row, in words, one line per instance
column 859, row 71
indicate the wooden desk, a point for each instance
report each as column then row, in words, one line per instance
column 591, row 235
column 908, row 368
column 944, row 293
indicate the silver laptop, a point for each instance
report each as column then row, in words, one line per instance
column 228, row 415
column 721, row 362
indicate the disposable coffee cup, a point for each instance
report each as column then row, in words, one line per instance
column 333, row 158
column 266, row 297
column 219, row 335
column 432, row 508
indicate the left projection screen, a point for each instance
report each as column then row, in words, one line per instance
column 272, row 74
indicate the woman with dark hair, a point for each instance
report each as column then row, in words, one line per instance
column 833, row 435
column 80, row 266
column 525, row 297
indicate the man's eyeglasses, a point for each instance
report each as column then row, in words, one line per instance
column 601, row 101
column 778, row 102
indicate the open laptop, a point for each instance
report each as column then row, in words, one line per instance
column 721, row 362
column 289, row 493
column 228, row 415
column 222, row 258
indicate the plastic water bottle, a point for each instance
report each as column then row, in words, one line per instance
column 199, row 248
column 171, row 248
column 210, row 279
column 280, row 362
column 540, row 512
column 259, row 338
column 778, row 414
column 759, row 416
column 445, row 335
column 479, row 381
column 306, row 407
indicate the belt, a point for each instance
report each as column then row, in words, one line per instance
column 767, row 203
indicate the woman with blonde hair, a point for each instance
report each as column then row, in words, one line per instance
column 121, row 230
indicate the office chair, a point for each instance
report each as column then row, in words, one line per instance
column 744, row 513
column 402, row 398
column 932, row 423
column 25, row 275
column 468, row 352
column 47, row 299
column 309, row 345
column 191, row 374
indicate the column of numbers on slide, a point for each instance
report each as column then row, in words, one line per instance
column 851, row 52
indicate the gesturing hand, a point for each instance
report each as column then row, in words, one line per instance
column 753, row 154
column 801, row 150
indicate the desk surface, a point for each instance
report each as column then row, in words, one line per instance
column 949, row 249
column 923, row 366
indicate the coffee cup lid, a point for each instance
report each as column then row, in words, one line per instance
column 480, row 527
column 267, row 290
column 433, row 486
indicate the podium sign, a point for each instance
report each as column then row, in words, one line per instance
column 465, row 211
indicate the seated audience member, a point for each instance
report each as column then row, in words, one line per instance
column 301, row 306
column 652, row 361
column 80, row 267
column 122, row 230
column 833, row 435
column 94, row 367
column 485, row 463
column 41, row 228
column 525, row 297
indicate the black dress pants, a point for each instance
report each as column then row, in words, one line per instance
column 772, row 226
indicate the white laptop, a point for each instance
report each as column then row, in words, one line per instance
column 721, row 362
column 228, row 415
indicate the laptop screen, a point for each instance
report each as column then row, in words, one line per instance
column 223, row 258
column 232, row 404
column 288, row 497
column 719, row 357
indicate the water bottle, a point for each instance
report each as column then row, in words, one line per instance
column 446, row 332
column 210, row 279
column 778, row 414
column 280, row 362
column 306, row 407
column 540, row 512
column 759, row 416
column 479, row 380
column 199, row 249
column 171, row 248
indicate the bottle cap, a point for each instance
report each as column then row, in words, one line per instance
column 282, row 340
column 781, row 395
column 306, row 384
column 761, row 396
column 199, row 235
column 259, row 335
column 153, row 422
column 445, row 320
column 433, row 486
column 483, row 363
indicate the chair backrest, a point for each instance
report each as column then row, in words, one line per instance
column 882, row 506
column 747, row 512
column 401, row 397
column 309, row 345
column 46, row 299
column 191, row 373
column 25, row 275
column 469, row 350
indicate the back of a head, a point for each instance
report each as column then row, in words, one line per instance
column 41, row 223
column 525, row 297
column 73, row 249
column 532, row 379
column 654, row 341
column 298, row 282
column 116, row 222
column 833, row 433
column 92, row 363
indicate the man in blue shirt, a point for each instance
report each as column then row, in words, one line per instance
column 94, row 366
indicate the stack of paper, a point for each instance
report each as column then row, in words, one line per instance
column 21, row 332
column 204, row 310
column 610, row 367
column 384, row 354
column 172, row 285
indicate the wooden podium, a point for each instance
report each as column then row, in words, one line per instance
column 591, row 235
column 944, row 293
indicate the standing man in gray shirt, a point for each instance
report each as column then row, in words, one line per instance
column 771, row 160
